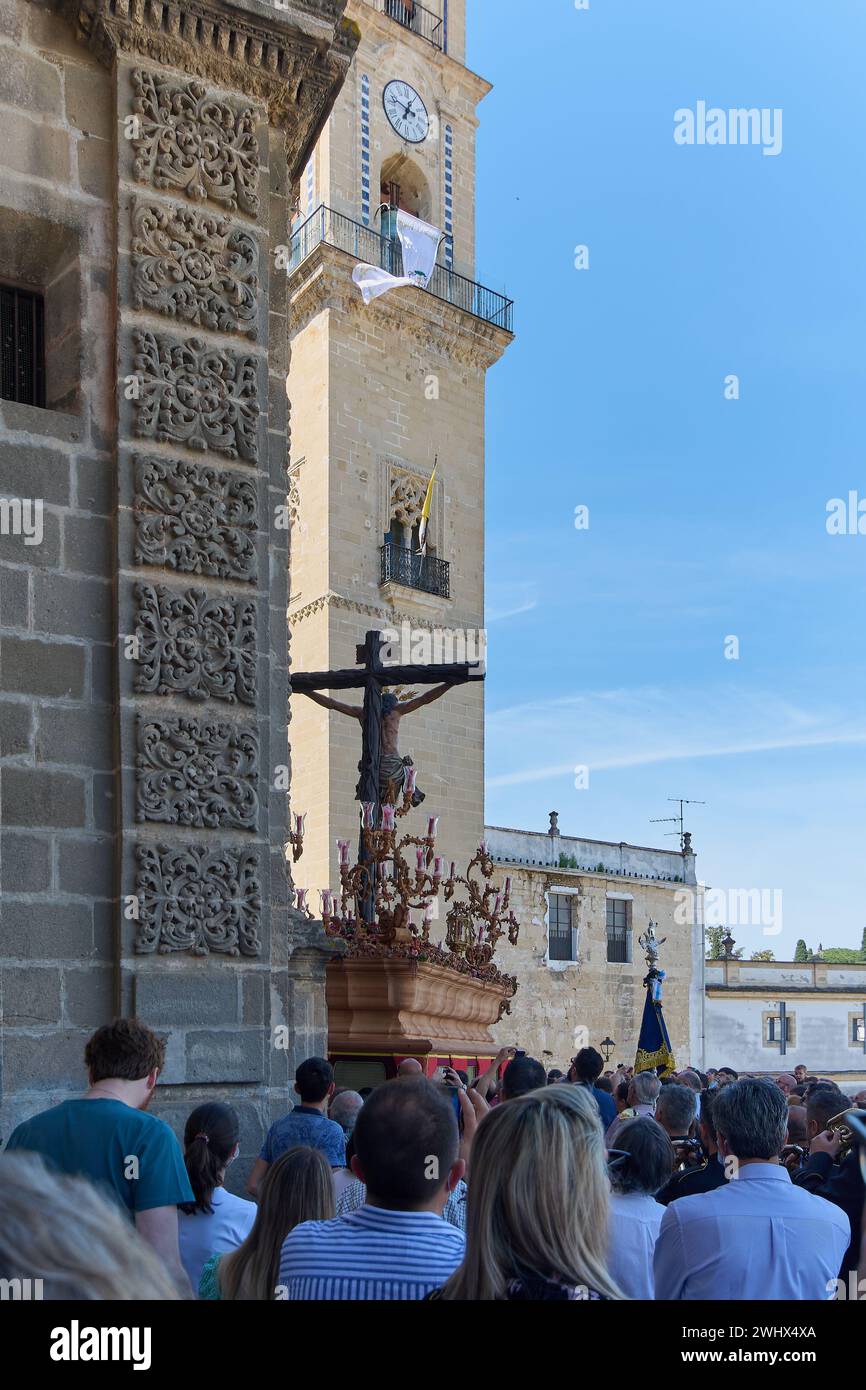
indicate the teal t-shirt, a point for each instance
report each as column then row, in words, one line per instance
column 132, row 1156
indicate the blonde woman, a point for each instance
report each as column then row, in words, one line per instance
column 63, row 1240
column 297, row 1187
column 537, row 1214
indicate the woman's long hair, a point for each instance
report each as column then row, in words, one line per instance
column 538, row 1197
column 60, row 1232
column 297, row 1187
column 209, row 1140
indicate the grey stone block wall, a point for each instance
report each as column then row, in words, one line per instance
column 57, row 974
column 143, row 641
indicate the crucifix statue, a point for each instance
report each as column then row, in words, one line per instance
column 381, row 766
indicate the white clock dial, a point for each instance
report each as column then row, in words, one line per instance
column 406, row 112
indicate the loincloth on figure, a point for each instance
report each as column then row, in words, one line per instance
column 393, row 771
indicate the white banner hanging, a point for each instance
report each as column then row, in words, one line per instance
column 420, row 243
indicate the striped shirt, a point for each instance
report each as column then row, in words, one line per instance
column 354, row 1195
column 369, row 1254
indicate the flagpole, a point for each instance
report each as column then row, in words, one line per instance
column 425, row 514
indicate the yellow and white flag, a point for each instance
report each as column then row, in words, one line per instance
column 428, row 507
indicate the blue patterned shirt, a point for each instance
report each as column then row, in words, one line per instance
column 370, row 1254
column 454, row 1211
column 306, row 1128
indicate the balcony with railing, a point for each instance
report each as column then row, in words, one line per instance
column 325, row 226
column 426, row 573
column 416, row 18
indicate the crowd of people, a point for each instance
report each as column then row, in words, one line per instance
column 519, row 1185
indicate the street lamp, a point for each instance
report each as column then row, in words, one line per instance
column 607, row 1047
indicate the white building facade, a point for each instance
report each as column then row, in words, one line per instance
column 768, row 1016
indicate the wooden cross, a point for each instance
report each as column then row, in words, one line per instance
column 373, row 678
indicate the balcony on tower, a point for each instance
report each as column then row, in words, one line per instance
column 326, row 227
column 425, row 573
column 417, row 18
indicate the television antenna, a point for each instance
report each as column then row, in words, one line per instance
column 677, row 820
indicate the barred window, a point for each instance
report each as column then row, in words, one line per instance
column 619, row 931
column 22, row 346
column 561, row 934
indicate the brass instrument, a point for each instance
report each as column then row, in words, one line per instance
column 841, row 1128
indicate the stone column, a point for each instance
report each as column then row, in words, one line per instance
column 216, row 108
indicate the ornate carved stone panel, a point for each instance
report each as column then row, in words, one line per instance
column 195, row 519
column 192, row 142
column 196, row 645
column 295, row 494
column 407, row 498
column 201, row 773
column 192, row 393
column 198, row 900
column 194, row 266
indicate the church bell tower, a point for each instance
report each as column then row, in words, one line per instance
column 379, row 392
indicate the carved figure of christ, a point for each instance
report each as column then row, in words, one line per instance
column 381, row 712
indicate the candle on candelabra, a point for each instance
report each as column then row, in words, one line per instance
column 327, row 899
column 438, row 866
column 300, row 822
column 482, row 849
column 497, row 904
column 301, row 898
column 432, row 827
column 409, row 784
column 343, row 847
column 421, row 860
column 367, row 810
column 389, row 821
column 507, row 889
column 453, row 874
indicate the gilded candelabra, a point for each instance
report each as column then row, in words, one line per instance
column 404, row 898
column 296, row 838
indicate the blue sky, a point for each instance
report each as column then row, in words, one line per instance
column 707, row 516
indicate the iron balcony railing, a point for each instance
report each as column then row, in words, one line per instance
column 417, row 18
column 365, row 244
column 423, row 572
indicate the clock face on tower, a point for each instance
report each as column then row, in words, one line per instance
column 406, row 112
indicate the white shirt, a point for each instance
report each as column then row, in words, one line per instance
column 204, row 1234
column 633, row 1227
column 343, row 1178
column 759, row 1237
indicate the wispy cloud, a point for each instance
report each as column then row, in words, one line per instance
column 509, row 601
column 632, row 728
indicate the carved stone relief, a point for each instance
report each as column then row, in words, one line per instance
column 201, row 773
column 191, row 142
column 198, row 900
column 194, row 266
column 196, row 645
column 191, row 393
column 195, row 519
column 407, row 498
column 294, row 495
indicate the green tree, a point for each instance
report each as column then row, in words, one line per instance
column 841, row 955
column 801, row 952
column 863, row 946
column 763, row 955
